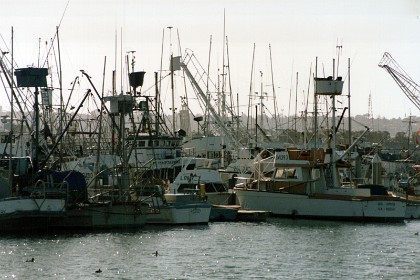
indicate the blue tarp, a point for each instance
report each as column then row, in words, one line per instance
column 75, row 179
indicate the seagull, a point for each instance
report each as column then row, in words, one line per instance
column 98, row 271
column 157, row 253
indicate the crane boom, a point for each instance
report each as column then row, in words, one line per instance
column 218, row 119
column 404, row 81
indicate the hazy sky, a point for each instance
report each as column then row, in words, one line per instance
column 298, row 31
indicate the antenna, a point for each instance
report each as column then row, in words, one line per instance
column 370, row 111
column 339, row 50
column 132, row 60
column 170, row 38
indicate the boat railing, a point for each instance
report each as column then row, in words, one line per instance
column 313, row 156
column 46, row 190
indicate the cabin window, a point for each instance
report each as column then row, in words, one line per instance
column 190, row 166
column 149, row 143
column 217, row 187
column 186, row 187
column 285, row 173
column 141, row 143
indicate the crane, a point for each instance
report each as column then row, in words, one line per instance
column 408, row 86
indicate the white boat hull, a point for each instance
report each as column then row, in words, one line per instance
column 413, row 210
column 104, row 216
column 216, row 198
column 30, row 214
column 304, row 206
column 180, row 213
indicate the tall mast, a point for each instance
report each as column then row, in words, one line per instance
column 97, row 168
column 157, row 104
column 114, row 91
column 305, row 138
column 161, row 61
column 274, row 91
column 230, row 81
column 11, row 125
column 316, row 106
column 297, row 83
column 172, row 81
column 114, row 75
column 250, row 90
column 121, row 70
column 206, row 115
column 60, row 80
column 333, row 156
column 290, row 99
column 223, row 68
column 261, row 100
column 348, row 98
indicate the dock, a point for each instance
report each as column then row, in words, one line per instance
column 234, row 213
column 252, row 215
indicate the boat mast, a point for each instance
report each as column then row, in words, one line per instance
column 315, row 109
column 250, row 90
column 348, row 98
column 60, row 80
column 157, row 102
column 296, row 95
column 11, row 175
column 100, row 129
column 121, row 62
column 231, row 105
column 223, row 71
column 114, row 90
column 161, row 63
column 333, row 155
column 261, row 100
column 290, row 100
column 207, row 112
column 305, row 131
column 172, row 80
column 274, row 92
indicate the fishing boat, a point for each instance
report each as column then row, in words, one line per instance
column 27, row 203
column 103, row 216
column 162, row 212
column 107, row 208
column 110, row 206
column 301, row 186
column 199, row 180
column 305, row 183
column 31, row 209
column 197, row 173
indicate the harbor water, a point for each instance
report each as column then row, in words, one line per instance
column 275, row 249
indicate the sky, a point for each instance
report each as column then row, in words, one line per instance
column 299, row 33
